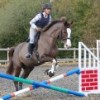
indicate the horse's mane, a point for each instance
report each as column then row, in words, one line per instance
column 51, row 24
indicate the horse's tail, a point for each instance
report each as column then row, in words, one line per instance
column 10, row 68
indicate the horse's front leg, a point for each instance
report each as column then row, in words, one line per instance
column 51, row 72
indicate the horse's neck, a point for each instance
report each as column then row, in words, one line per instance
column 47, row 42
column 53, row 32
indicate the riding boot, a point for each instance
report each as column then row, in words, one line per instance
column 30, row 50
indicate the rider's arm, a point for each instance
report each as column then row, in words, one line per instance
column 36, row 18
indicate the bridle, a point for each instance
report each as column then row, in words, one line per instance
column 63, row 35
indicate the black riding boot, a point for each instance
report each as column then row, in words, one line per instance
column 30, row 50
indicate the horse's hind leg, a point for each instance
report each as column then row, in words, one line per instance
column 17, row 73
column 25, row 74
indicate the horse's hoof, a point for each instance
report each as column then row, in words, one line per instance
column 51, row 74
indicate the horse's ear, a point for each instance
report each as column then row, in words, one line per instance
column 68, row 24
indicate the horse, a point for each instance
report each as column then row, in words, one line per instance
column 47, row 50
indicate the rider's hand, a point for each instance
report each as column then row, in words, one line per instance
column 38, row 29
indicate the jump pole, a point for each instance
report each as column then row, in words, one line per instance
column 8, row 96
column 56, row 78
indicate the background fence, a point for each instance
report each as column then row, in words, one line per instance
column 68, row 56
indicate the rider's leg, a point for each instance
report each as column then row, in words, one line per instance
column 30, row 50
column 31, row 44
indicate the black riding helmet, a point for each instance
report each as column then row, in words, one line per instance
column 46, row 6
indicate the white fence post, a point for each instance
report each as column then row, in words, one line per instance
column 7, row 54
column 98, row 49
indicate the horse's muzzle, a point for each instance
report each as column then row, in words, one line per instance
column 67, row 44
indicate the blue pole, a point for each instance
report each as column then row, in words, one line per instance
column 40, row 84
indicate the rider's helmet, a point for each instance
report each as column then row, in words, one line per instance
column 46, row 6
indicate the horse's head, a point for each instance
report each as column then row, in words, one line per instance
column 60, row 29
column 65, row 34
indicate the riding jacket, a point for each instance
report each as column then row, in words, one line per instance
column 40, row 20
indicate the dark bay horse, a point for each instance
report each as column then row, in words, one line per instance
column 47, row 50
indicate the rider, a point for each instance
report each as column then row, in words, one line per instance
column 37, row 23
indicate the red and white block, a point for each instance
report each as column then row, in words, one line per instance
column 90, row 81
